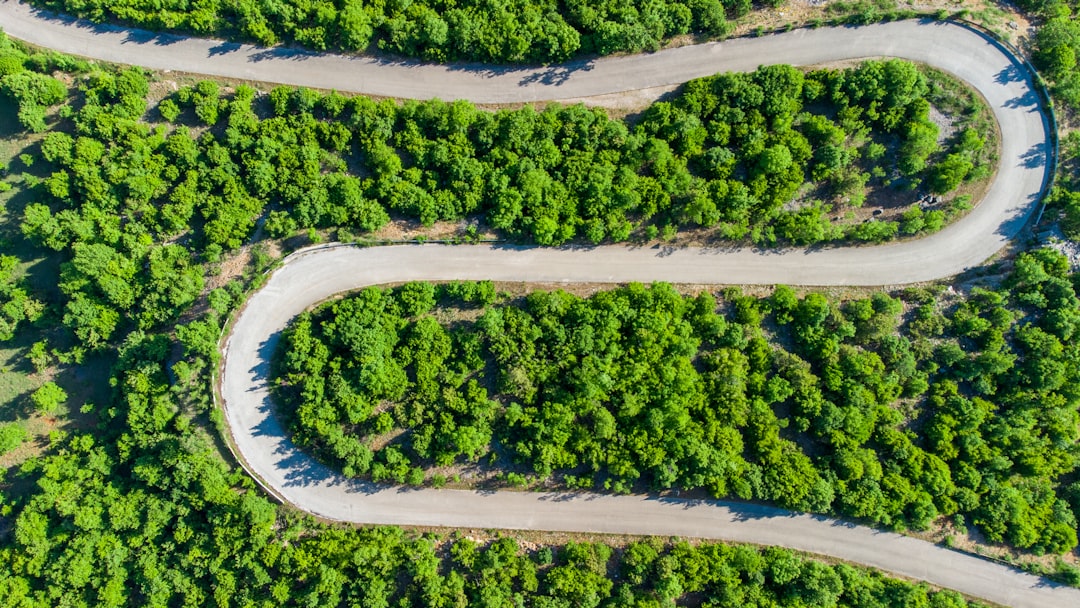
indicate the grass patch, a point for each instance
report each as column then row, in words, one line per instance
column 40, row 268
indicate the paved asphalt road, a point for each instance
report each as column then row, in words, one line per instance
column 314, row 275
column 953, row 48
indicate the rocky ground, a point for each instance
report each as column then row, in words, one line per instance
column 1054, row 237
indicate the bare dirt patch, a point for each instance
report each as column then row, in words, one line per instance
column 1056, row 239
column 1003, row 19
column 412, row 230
column 232, row 267
column 970, row 540
column 622, row 103
column 945, row 124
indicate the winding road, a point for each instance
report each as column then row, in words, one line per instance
column 310, row 276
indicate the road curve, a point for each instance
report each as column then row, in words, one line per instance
column 263, row 445
column 950, row 46
column 969, row 55
column 311, row 276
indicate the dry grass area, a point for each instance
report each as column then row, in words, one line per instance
column 232, row 267
column 410, row 230
column 625, row 103
column 796, row 13
column 970, row 540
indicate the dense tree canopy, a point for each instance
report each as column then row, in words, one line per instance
column 164, row 524
column 133, row 197
column 1065, row 194
column 1057, row 47
column 891, row 410
column 513, row 31
column 129, row 193
column 142, row 511
column 131, row 205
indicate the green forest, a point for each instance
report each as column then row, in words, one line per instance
column 1055, row 48
column 120, row 211
column 499, row 31
column 727, row 155
column 150, row 547
column 1055, row 52
column 133, row 197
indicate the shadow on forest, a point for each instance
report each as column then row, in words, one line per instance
column 271, row 425
column 135, row 36
column 22, row 162
column 19, row 407
column 131, row 35
column 740, row 511
column 568, row 496
column 301, row 470
column 278, row 53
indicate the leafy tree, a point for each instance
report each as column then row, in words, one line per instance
column 16, row 305
column 640, row 386
column 950, row 172
column 516, row 31
column 32, row 93
column 49, row 398
column 12, row 435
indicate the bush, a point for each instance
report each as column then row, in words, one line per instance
column 169, row 110
column 48, row 399
column 12, row 435
column 949, row 173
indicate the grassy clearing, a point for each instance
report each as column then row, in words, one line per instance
column 19, row 161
